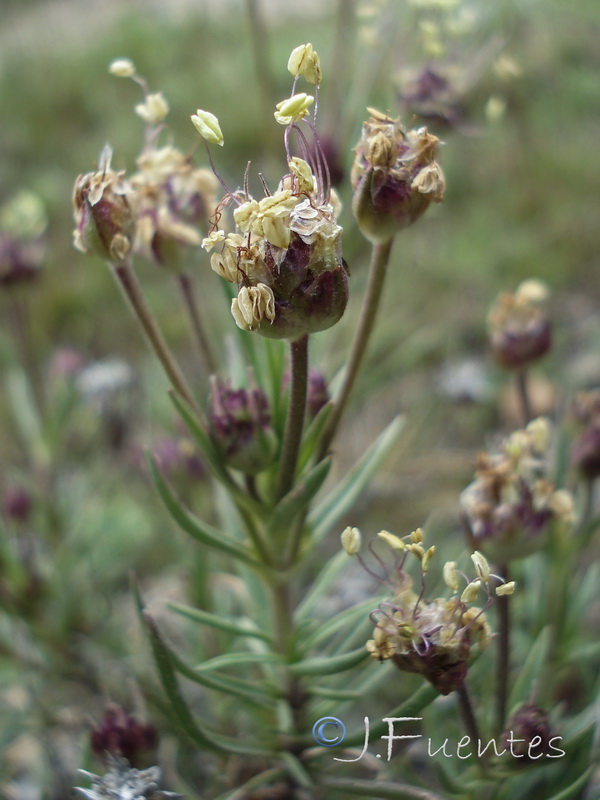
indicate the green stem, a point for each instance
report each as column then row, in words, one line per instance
column 134, row 294
column 379, row 262
column 295, row 417
column 21, row 323
column 189, row 298
column 503, row 653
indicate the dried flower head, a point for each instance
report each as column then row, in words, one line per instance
column 432, row 638
column 511, row 502
column 285, row 254
column 104, row 220
column 585, row 453
column 121, row 782
column 518, row 326
column 395, row 176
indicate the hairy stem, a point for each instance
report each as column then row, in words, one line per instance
column 135, row 296
column 295, row 417
column 189, row 298
column 379, row 262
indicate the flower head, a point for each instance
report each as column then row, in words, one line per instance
column 432, row 638
column 395, row 176
column 518, row 327
column 104, row 220
column 511, row 502
column 208, row 126
column 122, row 735
column 240, row 427
column 285, row 253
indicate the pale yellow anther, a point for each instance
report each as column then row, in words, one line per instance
column 395, row 542
column 245, row 214
column 154, row 109
column 430, row 181
column 416, row 550
column 207, row 126
column 506, row 589
column 532, row 292
column 294, row 108
column 470, row 592
column 252, row 305
column 416, row 536
column 427, row 558
column 305, row 61
column 351, row 540
column 451, row 575
column 562, row 505
column 213, row 239
column 482, row 568
column 305, row 180
column 122, row 68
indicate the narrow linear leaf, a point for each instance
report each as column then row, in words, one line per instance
column 165, row 662
column 250, row 693
column 298, row 498
column 379, row 789
column 169, row 683
column 335, row 694
column 575, row 788
column 346, row 617
column 312, row 437
column 239, row 660
column 329, row 665
column 322, row 584
column 226, row 625
column 195, row 527
column 333, row 507
column 297, row 770
column 258, row 781
column 532, row 668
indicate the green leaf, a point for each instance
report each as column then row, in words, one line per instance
column 243, row 659
column 575, row 788
column 329, row 665
column 335, row 694
column 195, row 527
column 312, row 437
column 297, row 770
column 379, row 789
column 326, row 630
column 532, row 668
column 166, row 671
column 227, row 625
column 166, row 663
column 322, row 584
column 338, row 502
column 296, row 501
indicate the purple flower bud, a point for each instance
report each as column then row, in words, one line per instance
column 17, row 505
column 529, row 734
column 240, row 427
column 120, row 734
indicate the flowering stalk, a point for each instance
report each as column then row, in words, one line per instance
column 187, row 292
column 503, row 654
column 377, row 272
column 295, row 416
column 135, row 296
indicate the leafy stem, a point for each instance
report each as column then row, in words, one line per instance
column 292, row 437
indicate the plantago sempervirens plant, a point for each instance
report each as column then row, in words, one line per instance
column 268, row 661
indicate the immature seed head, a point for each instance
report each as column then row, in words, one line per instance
column 519, row 330
column 395, row 176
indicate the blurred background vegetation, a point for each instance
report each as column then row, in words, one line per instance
column 521, row 163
